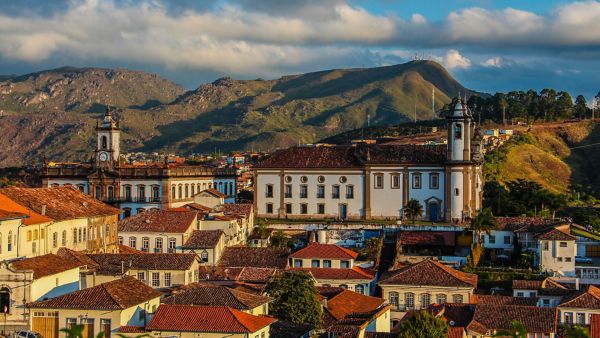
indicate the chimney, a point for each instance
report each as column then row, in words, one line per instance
column 576, row 283
column 324, row 302
column 43, row 210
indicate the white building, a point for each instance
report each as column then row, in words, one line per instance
column 137, row 187
column 375, row 181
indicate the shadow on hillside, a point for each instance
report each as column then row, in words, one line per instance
column 147, row 105
column 585, row 163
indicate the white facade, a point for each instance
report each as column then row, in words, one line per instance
column 557, row 256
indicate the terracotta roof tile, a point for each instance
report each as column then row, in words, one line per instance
column 132, row 329
column 198, row 207
column 588, row 299
column 254, row 257
column 213, row 192
column 235, row 209
column 556, row 235
column 159, row 221
column 457, row 314
column 114, row 263
column 528, row 224
column 595, row 325
column 8, row 205
column 62, row 203
column 445, row 238
column 120, row 294
column 348, row 302
column 503, row 300
column 215, row 295
column 45, row 265
column 500, row 317
column 9, row 215
column 456, row 332
column 337, row 274
column 243, row 274
column 429, row 272
column 285, row 329
column 324, row 251
column 221, row 319
column 204, row 239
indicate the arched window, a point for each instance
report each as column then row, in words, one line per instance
column 204, row 186
column 193, row 190
column 111, row 192
column 173, row 195
column 104, row 141
column 231, row 189
column 85, row 234
column 359, row 289
column 458, row 131
column 220, row 187
column 187, row 191
column 5, row 300
column 10, row 241
column 55, row 239
column 155, row 194
column 180, row 191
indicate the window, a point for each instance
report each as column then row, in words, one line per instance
column 304, row 208
column 84, row 234
column 120, row 240
column 360, row 289
column 409, row 300
column 344, row 286
column 327, row 263
column 111, row 193
column 378, row 181
column 172, row 245
column 29, row 235
column 5, row 300
column 10, row 240
column 35, row 235
column 141, row 276
column 167, row 279
column 269, row 208
column 64, row 238
column 315, row 263
column 559, row 259
column 321, row 179
column 269, row 190
column 194, row 189
column 128, row 193
column 145, row 243
column 132, row 242
column 349, row 192
column 297, row 263
column 345, row 264
column 520, row 294
column 458, row 131
column 204, row 256
column 105, row 327
column 288, row 179
column 288, row 208
column 581, row 318
column 180, row 191
column 98, row 192
column 155, row 194
column 568, row 318
column 440, row 298
column 395, row 178
column 104, row 142
column 320, row 191
column 458, row 299
column 335, row 191
column 155, row 279
column 173, row 194
column 34, row 247
column 141, row 193
column 425, row 300
column 80, row 235
column 158, row 245
column 303, row 179
column 71, row 322
column 416, row 183
column 507, row 239
column 434, row 181
column 74, row 235
column 394, row 299
column 567, row 259
column 545, row 245
column 456, row 192
column 107, row 229
column 321, row 209
column 492, row 239
column 563, row 244
column 304, row 191
column 287, row 191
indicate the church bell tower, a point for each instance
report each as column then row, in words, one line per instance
column 107, row 142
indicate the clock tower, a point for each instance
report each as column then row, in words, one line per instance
column 107, row 142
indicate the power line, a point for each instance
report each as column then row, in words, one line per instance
column 587, row 145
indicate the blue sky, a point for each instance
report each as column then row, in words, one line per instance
column 488, row 45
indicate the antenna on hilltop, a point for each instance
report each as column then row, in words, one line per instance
column 433, row 102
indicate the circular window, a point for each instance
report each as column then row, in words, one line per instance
column 321, row 179
column 303, row 179
column 343, row 179
column 288, row 179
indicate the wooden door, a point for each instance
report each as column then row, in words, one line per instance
column 46, row 326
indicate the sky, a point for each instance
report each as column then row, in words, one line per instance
column 488, row 45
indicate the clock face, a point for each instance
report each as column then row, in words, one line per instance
column 103, row 157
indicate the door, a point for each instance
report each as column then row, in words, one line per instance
column 88, row 327
column 343, row 211
column 433, row 211
column 45, row 326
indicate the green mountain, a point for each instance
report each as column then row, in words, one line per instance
column 53, row 112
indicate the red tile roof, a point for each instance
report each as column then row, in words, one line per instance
column 213, row 192
column 493, row 317
column 199, row 207
column 8, row 205
column 456, row 331
column 430, row 272
column 244, row 274
column 215, row 295
column 62, row 203
column 588, row 299
column 445, row 238
column 120, row 294
column 45, row 265
column 204, row 239
column 503, row 300
column 114, row 263
column 324, row 251
column 527, row 224
column 337, row 274
column 221, row 319
column 8, row 215
column 556, row 235
column 132, row 329
column 239, row 256
column 159, row 221
column 235, row 209
column 595, row 325
column 348, row 302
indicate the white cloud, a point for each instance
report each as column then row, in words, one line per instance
column 497, row 62
column 454, row 60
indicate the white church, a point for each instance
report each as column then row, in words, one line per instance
column 375, row 181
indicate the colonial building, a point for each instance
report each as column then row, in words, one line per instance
column 137, row 187
column 375, row 181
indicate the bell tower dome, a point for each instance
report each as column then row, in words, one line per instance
column 107, row 141
column 460, row 123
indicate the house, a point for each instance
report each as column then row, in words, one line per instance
column 11, row 221
column 102, row 308
column 187, row 321
column 578, row 307
column 240, row 256
column 414, row 246
column 419, row 285
column 219, row 295
column 32, row 279
column 548, row 292
column 489, row 319
column 136, row 187
column 316, row 255
column 253, row 277
column 157, row 270
column 235, row 219
column 158, row 230
column 286, row 329
column 527, row 228
column 556, row 252
column 208, row 245
column 59, row 217
column 209, row 198
column 375, row 181
column 348, row 311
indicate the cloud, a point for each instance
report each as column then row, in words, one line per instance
column 454, row 59
column 497, row 62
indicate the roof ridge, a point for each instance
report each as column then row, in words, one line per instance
column 110, row 294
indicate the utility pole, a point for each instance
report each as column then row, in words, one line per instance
column 415, row 112
column 504, row 115
column 433, row 102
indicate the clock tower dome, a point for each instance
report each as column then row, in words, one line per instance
column 107, row 142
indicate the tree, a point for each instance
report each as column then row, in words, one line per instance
column 412, row 209
column 280, row 240
column 423, row 324
column 476, row 253
column 581, row 109
column 373, row 248
column 295, row 298
column 484, row 222
column 577, row 331
column 518, row 331
column 564, row 105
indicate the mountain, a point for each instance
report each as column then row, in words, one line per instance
column 52, row 112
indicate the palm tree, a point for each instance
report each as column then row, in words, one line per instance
column 484, row 222
column 412, row 209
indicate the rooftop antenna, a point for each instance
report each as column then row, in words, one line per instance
column 433, row 102
column 415, row 112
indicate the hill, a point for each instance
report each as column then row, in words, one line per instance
column 53, row 112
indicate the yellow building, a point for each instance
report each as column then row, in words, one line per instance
column 208, row 245
column 31, row 279
column 103, row 308
column 578, row 307
column 187, row 321
column 419, row 285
